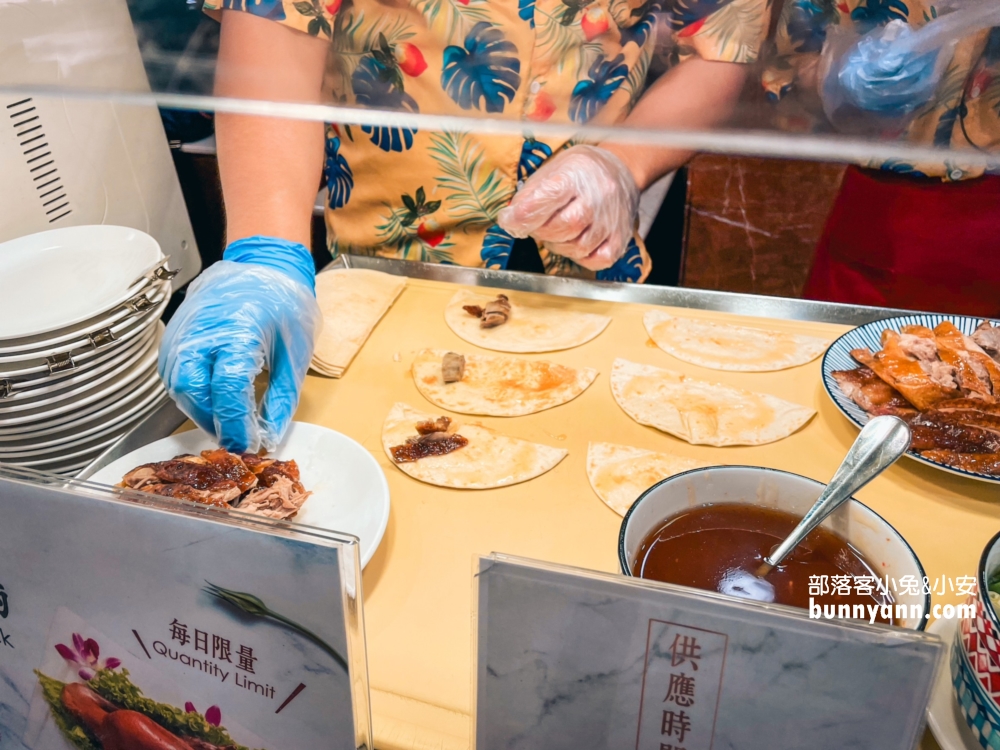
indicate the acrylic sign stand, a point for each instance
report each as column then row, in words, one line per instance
column 124, row 614
column 569, row 658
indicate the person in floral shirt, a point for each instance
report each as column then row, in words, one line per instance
column 437, row 196
column 449, row 197
column 905, row 234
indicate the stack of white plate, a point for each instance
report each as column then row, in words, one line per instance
column 80, row 329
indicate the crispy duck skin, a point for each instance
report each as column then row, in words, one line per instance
column 277, row 469
column 179, row 471
column 906, row 375
column 972, row 373
column 981, row 463
column 441, row 424
column 936, row 430
column 231, row 467
column 122, row 729
column 223, row 479
column 969, row 404
column 86, row 706
column 868, row 390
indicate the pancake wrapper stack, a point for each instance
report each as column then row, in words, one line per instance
column 353, row 301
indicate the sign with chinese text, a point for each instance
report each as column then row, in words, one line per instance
column 680, row 689
column 573, row 658
column 126, row 623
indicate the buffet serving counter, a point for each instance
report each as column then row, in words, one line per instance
column 418, row 586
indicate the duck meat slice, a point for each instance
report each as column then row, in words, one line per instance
column 971, row 368
column 231, row 467
column 868, row 390
column 981, row 463
column 496, row 312
column 220, row 494
column 908, row 376
column 452, row 367
column 281, row 499
column 988, row 337
column 936, row 430
column 139, row 477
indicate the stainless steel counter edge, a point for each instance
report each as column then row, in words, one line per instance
column 562, row 286
column 167, row 418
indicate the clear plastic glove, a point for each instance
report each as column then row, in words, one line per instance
column 581, row 203
column 256, row 308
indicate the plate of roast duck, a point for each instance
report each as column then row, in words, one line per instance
column 316, row 477
column 939, row 373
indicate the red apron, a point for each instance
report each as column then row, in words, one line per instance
column 914, row 243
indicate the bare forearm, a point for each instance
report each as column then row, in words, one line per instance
column 270, row 167
column 696, row 94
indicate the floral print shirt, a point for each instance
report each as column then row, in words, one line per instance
column 435, row 196
column 964, row 112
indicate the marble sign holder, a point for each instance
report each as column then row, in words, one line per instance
column 568, row 658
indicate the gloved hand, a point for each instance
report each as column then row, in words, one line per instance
column 255, row 308
column 581, row 203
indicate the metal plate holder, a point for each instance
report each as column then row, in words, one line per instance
column 139, row 303
column 102, row 337
column 60, row 363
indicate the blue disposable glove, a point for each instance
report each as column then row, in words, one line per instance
column 881, row 75
column 256, row 308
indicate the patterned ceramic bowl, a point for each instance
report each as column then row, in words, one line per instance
column 980, row 634
column 980, row 711
column 878, row 542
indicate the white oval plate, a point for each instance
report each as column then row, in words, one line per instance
column 112, row 382
column 86, row 424
column 58, row 278
column 22, row 364
column 350, row 492
column 153, row 291
column 130, row 384
column 117, row 357
column 56, row 449
column 838, row 357
column 64, row 420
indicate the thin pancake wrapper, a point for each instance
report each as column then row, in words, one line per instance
column 499, row 386
column 620, row 473
column 532, row 327
column 721, row 346
column 702, row 413
column 489, row 460
column 353, row 301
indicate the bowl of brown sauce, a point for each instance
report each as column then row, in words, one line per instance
column 711, row 528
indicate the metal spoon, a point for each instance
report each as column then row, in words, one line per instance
column 881, row 442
